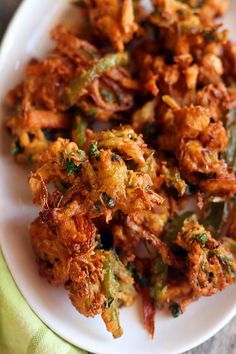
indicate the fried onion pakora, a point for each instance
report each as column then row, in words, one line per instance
column 100, row 284
column 111, row 175
column 144, row 228
column 96, row 280
column 52, row 255
column 113, row 20
column 168, row 288
column 75, row 75
column 129, row 126
column 211, row 266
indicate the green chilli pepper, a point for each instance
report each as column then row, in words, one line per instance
column 79, row 83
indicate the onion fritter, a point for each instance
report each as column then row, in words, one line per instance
column 129, row 126
column 211, row 266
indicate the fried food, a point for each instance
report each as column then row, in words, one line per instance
column 143, row 227
column 110, row 176
column 52, row 255
column 113, row 20
column 100, row 284
column 129, row 127
column 75, row 74
column 211, row 266
column 111, row 173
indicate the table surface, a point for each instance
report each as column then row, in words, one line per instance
column 222, row 343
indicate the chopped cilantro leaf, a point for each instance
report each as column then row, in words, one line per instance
column 175, row 310
column 110, row 203
column 16, row 148
column 93, row 149
column 71, row 167
column 106, row 94
column 209, row 36
column 81, row 153
column 203, row 238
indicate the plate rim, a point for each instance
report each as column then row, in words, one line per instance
column 11, row 24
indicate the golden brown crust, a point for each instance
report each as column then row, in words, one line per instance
column 115, row 212
column 52, row 256
column 211, row 266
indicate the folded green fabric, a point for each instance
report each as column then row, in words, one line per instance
column 21, row 331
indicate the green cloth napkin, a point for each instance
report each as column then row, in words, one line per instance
column 21, row 331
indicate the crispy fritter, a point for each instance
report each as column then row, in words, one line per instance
column 106, row 177
column 52, row 256
column 167, row 289
column 114, row 213
column 75, row 74
column 113, row 20
column 100, row 284
column 85, row 286
column 211, row 266
column 143, row 228
column 197, row 145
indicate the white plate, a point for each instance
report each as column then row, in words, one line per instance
column 28, row 36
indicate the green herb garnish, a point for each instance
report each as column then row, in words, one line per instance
column 110, row 203
column 209, row 36
column 93, row 149
column 214, row 217
column 106, row 94
column 71, row 167
column 202, row 238
column 175, row 310
column 17, row 148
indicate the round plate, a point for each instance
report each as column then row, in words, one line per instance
column 27, row 36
